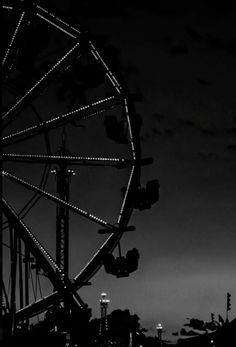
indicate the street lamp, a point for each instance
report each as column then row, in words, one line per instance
column 103, row 321
column 159, row 329
column 103, row 301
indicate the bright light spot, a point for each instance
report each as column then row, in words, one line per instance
column 159, row 326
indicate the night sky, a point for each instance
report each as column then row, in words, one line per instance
column 182, row 58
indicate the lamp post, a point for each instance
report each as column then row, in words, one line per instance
column 103, row 321
column 159, row 329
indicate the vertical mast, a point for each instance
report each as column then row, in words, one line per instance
column 63, row 178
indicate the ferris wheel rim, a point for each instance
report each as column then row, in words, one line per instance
column 121, row 89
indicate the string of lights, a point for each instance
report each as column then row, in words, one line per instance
column 55, row 199
column 13, row 39
column 62, row 119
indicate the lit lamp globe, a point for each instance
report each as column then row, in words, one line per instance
column 103, row 300
column 159, row 329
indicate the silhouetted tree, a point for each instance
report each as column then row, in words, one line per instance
column 197, row 327
column 120, row 324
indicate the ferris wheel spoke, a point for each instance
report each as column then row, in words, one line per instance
column 38, row 306
column 55, row 21
column 68, row 160
column 42, row 83
column 47, row 263
column 82, row 113
column 51, row 197
column 119, row 163
column 12, row 48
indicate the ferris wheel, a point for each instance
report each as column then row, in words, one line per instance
column 71, row 144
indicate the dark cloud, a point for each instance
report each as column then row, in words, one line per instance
column 149, row 135
column 156, row 131
column 129, row 70
column 214, row 42
column 207, row 155
column 179, row 50
column 127, row 8
column 165, row 41
column 163, row 127
column 160, row 118
column 94, row 9
column 231, row 131
column 198, row 127
column 107, row 8
column 221, row 5
column 167, row 127
column 169, row 132
column 145, row 137
column 203, row 82
column 193, row 34
column 231, row 47
column 189, row 123
column 231, row 147
column 207, row 131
